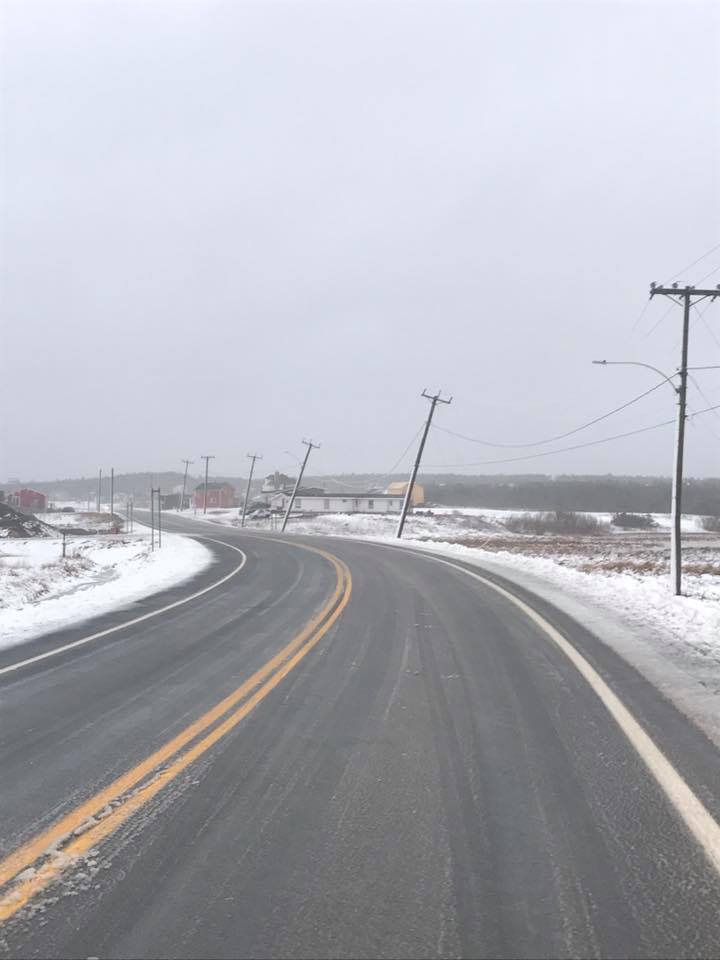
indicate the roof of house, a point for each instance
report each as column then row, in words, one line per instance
column 348, row 496
column 214, row 486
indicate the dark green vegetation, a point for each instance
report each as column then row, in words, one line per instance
column 607, row 494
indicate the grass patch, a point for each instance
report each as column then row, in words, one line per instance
column 562, row 522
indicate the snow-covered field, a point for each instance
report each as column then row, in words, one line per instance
column 41, row 591
column 91, row 521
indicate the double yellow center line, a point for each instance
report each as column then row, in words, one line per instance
column 33, row 866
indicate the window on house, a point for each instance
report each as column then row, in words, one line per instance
column 326, row 504
column 371, row 504
column 298, row 504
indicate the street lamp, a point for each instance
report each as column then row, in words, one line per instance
column 676, row 506
column 637, row 363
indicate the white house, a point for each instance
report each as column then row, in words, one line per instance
column 340, row 503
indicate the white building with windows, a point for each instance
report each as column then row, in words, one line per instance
column 339, row 503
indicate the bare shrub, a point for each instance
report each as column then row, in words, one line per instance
column 623, row 566
column 569, row 523
column 711, row 524
column 633, row 521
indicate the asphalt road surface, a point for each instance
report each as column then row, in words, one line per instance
column 347, row 750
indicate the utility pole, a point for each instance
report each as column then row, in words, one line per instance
column 207, row 460
column 253, row 457
column 112, row 491
column 434, row 399
column 310, row 446
column 159, row 520
column 152, row 518
column 99, row 490
column 182, row 498
column 684, row 296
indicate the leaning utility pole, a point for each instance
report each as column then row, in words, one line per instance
column 207, row 460
column 686, row 297
column 182, row 497
column 310, row 446
column 434, row 401
column 253, row 457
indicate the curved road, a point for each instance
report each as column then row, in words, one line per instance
column 347, row 750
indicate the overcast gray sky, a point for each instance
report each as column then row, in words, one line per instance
column 227, row 225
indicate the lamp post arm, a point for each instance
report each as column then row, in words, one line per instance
column 637, row 363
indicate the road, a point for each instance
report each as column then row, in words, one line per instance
column 347, row 750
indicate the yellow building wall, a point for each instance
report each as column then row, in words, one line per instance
column 399, row 487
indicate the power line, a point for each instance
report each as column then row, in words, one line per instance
column 401, row 458
column 560, row 436
column 704, row 423
column 549, row 453
column 691, row 265
column 577, row 446
column 639, row 317
column 657, row 323
column 702, row 394
column 703, row 279
column 701, row 314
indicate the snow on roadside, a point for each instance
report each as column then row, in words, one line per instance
column 40, row 592
column 691, row 623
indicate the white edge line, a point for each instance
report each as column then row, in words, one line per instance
column 129, row 623
column 694, row 814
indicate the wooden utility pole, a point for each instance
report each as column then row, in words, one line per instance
column 153, row 491
column 310, row 446
column 253, row 457
column 99, row 490
column 685, row 297
column 434, row 399
column 182, row 497
column 207, row 461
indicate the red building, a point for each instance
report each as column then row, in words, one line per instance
column 28, row 501
column 220, row 495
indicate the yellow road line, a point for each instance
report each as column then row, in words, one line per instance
column 265, row 679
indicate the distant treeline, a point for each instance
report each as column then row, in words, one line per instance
column 592, row 494
column 607, row 494
column 126, row 484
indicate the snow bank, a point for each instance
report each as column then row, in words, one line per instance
column 40, row 591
